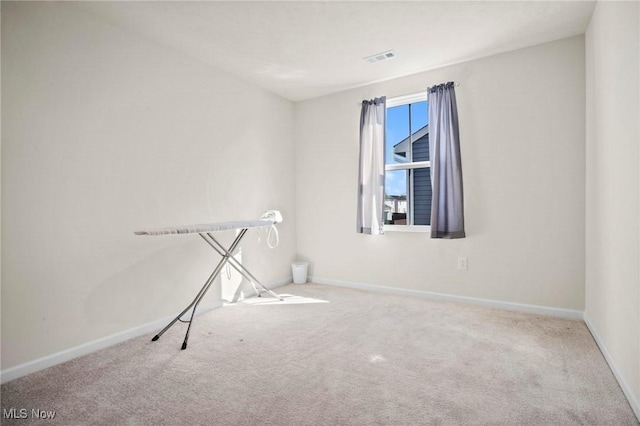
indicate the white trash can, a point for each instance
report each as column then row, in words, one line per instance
column 299, row 270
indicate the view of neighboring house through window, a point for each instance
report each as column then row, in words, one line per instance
column 407, row 198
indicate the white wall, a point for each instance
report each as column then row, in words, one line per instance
column 613, row 188
column 522, row 130
column 104, row 133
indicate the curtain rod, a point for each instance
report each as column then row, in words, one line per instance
column 455, row 83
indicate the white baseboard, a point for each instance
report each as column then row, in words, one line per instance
column 628, row 392
column 534, row 309
column 540, row 310
column 280, row 283
column 21, row 370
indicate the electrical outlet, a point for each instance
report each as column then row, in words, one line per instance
column 462, row 263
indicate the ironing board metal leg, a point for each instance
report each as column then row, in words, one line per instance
column 202, row 291
column 237, row 265
column 198, row 296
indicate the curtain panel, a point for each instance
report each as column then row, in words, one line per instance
column 370, row 215
column 447, row 208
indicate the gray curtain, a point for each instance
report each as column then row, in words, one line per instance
column 447, row 205
column 370, row 218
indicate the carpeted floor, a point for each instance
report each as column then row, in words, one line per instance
column 336, row 356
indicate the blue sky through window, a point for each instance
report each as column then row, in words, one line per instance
column 397, row 130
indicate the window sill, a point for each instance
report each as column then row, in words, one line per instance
column 406, row 228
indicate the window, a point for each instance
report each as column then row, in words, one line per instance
column 407, row 167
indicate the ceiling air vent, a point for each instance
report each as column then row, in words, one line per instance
column 389, row 54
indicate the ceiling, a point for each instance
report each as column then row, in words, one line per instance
column 306, row 49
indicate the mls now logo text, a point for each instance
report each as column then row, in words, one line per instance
column 23, row 413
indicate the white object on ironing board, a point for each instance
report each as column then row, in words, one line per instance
column 270, row 218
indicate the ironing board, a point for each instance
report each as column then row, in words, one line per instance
column 205, row 231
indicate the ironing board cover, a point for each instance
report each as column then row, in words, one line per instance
column 206, row 227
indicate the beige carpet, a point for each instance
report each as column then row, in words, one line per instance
column 335, row 356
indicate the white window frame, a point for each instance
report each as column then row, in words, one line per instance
column 394, row 102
